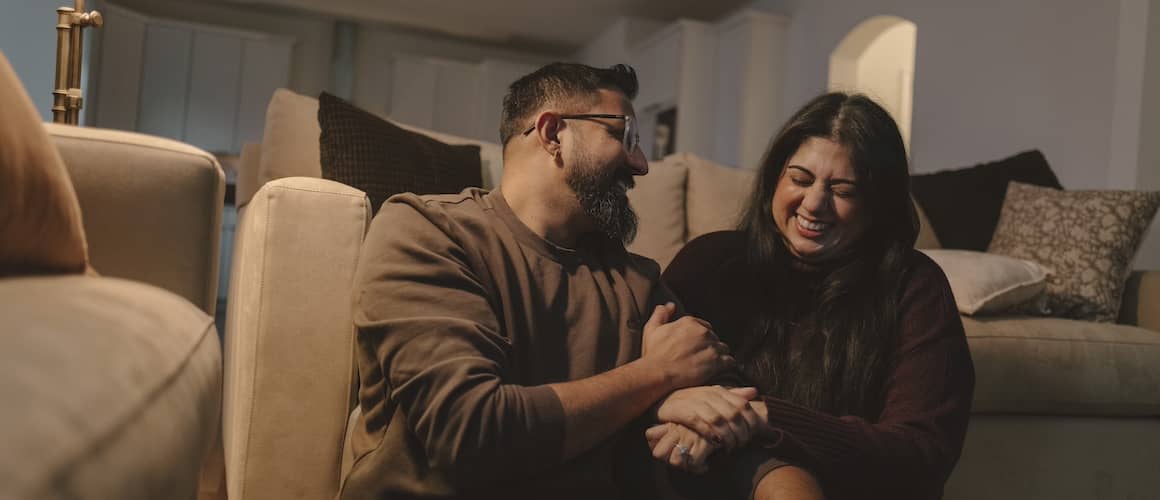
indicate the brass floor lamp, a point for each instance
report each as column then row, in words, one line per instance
column 67, row 97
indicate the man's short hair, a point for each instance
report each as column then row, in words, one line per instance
column 558, row 83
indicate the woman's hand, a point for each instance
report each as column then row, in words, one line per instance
column 723, row 416
column 680, row 447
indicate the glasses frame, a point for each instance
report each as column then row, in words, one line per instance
column 631, row 139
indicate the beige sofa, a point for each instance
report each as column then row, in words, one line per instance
column 111, row 385
column 1063, row 409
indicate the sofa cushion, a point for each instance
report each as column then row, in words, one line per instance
column 963, row 205
column 659, row 201
column 373, row 155
column 1087, row 238
column 717, row 194
column 985, row 283
column 1055, row 366
column 111, row 389
column 248, row 164
column 40, row 219
column 290, row 139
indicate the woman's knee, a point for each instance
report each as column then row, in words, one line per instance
column 788, row 483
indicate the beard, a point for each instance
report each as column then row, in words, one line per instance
column 603, row 195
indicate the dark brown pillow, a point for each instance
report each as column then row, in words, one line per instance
column 963, row 205
column 369, row 153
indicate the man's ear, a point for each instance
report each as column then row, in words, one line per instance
column 548, row 127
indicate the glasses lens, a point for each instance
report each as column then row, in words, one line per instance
column 631, row 137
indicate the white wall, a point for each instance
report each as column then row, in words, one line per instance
column 993, row 78
column 885, row 72
column 1148, row 173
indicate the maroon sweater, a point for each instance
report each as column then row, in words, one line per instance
column 909, row 450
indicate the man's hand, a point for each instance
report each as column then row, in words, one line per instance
column 723, row 416
column 686, row 351
column 680, row 447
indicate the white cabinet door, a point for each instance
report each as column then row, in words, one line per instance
column 213, row 91
column 413, row 91
column 265, row 66
column 165, row 81
column 118, row 79
column 456, row 109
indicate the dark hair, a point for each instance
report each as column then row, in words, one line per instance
column 558, row 84
column 851, row 313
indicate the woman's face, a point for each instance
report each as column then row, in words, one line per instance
column 817, row 205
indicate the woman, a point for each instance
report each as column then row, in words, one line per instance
column 851, row 337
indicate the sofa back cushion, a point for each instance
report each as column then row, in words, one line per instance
column 659, row 202
column 717, row 194
column 40, row 219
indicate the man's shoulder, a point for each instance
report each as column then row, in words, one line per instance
column 646, row 266
column 465, row 203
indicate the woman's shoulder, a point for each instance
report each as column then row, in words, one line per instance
column 714, row 245
column 921, row 270
column 703, row 266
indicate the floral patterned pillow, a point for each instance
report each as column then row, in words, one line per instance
column 1086, row 238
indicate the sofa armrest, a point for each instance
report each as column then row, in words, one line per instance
column 152, row 208
column 1141, row 303
column 290, row 338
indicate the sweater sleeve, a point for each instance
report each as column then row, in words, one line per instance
column 910, row 450
column 426, row 322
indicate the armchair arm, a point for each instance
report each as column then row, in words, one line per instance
column 290, row 338
column 1141, row 303
column 152, row 208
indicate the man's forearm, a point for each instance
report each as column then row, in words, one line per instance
column 598, row 406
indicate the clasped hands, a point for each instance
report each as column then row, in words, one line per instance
column 696, row 420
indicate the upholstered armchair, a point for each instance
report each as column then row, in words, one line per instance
column 110, row 378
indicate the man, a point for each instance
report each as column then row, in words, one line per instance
column 505, row 338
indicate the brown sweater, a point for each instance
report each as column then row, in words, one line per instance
column 463, row 316
column 909, row 450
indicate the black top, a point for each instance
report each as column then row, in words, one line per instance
column 909, row 450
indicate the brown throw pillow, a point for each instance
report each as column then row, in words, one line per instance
column 1086, row 238
column 40, row 218
column 369, row 153
column 963, row 205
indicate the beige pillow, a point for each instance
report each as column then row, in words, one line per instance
column 659, row 201
column 290, row 139
column 717, row 194
column 1087, row 238
column 984, row 283
column 40, row 219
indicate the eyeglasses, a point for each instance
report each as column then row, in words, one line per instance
column 630, row 140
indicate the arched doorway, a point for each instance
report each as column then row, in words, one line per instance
column 876, row 58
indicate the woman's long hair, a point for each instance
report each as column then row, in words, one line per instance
column 849, row 307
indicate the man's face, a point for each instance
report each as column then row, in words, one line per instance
column 601, row 171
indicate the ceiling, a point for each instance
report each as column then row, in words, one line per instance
column 555, row 23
